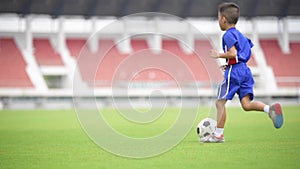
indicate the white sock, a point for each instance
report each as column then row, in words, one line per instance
column 219, row 132
column 266, row 109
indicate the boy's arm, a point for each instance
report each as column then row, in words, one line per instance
column 231, row 53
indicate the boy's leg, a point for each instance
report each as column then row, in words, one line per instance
column 249, row 105
column 274, row 111
column 217, row 136
column 221, row 113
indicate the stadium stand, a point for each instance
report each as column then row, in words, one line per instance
column 285, row 66
column 45, row 54
column 111, row 57
column 200, row 66
column 96, row 68
column 49, row 39
column 202, row 48
column 75, row 46
column 149, row 74
column 12, row 66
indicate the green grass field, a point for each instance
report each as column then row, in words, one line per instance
column 54, row 139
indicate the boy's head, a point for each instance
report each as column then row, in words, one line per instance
column 228, row 13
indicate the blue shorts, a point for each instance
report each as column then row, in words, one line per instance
column 237, row 79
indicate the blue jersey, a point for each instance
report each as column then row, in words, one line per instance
column 243, row 45
column 237, row 77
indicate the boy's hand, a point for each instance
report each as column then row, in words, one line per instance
column 214, row 54
column 223, row 67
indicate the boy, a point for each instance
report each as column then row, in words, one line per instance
column 237, row 76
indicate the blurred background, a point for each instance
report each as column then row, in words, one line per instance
column 44, row 44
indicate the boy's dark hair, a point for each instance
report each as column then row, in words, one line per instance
column 230, row 11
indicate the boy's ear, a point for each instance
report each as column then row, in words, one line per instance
column 224, row 20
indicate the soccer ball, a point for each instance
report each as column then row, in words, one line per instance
column 206, row 127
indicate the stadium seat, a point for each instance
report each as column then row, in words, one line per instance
column 285, row 66
column 12, row 66
column 45, row 54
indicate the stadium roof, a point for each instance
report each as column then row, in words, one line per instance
column 118, row 8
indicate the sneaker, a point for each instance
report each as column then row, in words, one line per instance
column 275, row 113
column 214, row 139
column 204, row 139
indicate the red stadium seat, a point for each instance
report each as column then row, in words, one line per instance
column 284, row 65
column 12, row 66
column 45, row 54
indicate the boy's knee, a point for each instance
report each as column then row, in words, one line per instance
column 246, row 107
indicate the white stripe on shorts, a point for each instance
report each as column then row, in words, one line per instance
column 228, row 80
column 220, row 94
